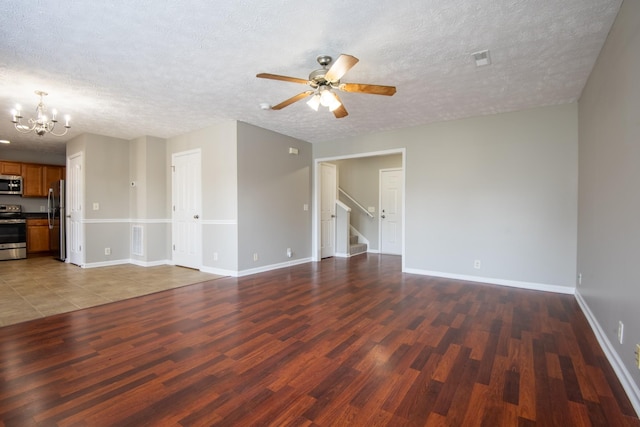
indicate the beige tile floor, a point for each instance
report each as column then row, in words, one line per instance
column 41, row 286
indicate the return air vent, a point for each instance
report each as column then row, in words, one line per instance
column 136, row 240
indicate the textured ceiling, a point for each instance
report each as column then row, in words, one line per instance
column 163, row 68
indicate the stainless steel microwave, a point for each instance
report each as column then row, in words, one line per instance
column 10, row 184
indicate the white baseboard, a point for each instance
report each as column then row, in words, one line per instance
column 512, row 283
column 126, row 261
column 204, row 269
column 106, row 263
column 623, row 374
column 341, row 255
column 219, row 271
column 149, row 263
column 272, row 267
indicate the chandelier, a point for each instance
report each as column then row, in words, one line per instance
column 40, row 125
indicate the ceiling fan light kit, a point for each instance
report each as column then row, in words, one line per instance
column 325, row 81
column 314, row 102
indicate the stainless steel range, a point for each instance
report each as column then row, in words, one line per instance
column 13, row 233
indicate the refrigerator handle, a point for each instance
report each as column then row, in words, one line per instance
column 49, row 208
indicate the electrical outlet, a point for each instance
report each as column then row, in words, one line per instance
column 107, row 251
column 580, row 279
column 620, row 332
column 289, row 253
column 477, row 264
column 96, row 206
column 255, row 256
column 638, row 355
column 43, row 208
column 215, row 256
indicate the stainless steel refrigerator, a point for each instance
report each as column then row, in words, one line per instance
column 57, row 220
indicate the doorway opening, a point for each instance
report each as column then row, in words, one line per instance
column 371, row 210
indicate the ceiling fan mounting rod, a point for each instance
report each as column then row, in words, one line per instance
column 324, row 60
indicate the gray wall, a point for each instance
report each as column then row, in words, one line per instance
column 7, row 153
column 501, row 189
column 106, row 182
column 106, row 174
column 218, row 145
column 273, row 187
column 608, row 230
column 360, row 177
column 148, row 197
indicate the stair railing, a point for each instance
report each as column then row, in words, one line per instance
column 362, row 208
column 343, row 221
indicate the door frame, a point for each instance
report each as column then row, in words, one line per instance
column 333, row 215
column 198, row 222
column 315, row 221
column 380, row 172
column 79, row 156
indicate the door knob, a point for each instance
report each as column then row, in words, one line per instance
column 382, row 216
column 333, row 216
column 196, row 216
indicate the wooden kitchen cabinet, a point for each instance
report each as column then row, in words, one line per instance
column 36, row 178
column 32, row 180
column 37, row 236
column 52, row 174
column 10, row 168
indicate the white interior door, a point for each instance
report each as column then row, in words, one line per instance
column 186, row 210
column 74, row 211
column 328, row 190
column 391, row 211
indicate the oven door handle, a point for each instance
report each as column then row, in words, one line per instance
column 13, row 221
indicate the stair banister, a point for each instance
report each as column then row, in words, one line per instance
column 343, row 221
column 355, row 202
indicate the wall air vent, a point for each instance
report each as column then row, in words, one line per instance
column 482, row 58
column 136, row 240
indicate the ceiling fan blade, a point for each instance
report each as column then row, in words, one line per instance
column 283, row 78
column 340, row 67
column 364, row 88
column 340, row 112
column 291, row 100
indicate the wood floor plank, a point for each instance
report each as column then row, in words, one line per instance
column 341, row 342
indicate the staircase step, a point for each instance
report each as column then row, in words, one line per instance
column 353, row 240
column 357, row 248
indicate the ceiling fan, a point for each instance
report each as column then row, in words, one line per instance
column 324, row 81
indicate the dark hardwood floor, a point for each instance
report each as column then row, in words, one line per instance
column 342, row 342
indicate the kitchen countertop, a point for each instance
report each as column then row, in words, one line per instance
column 35, row 215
